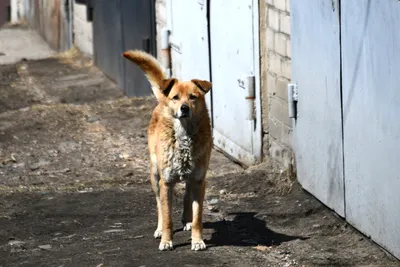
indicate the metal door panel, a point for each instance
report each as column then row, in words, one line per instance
column 189, row 41
column 120, row 25
column 371, row 97
column 233, row 45
column 107, row 38
column 316, row 70
column 138, row 32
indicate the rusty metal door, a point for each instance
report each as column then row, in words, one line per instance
column 120, row 25
column 315, row 43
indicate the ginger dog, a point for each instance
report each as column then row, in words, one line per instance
column 180, row 143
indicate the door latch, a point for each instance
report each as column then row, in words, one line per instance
column 175, row 44
column 248, row 83
column 293, row 97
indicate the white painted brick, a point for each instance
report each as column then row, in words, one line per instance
column 280, row 44
column 286, row 69
column 275, row 128
column 280, row 152
column 280, row 90
column 279, row 110
column 288, row 49
column 280, row 132
column 285, row 113
column 273, row 19
column 276, row 108
column 280, row 4
column 284, row 23
column 270, row 38
column 271, row 84
column 275, row 63
column 286, row 136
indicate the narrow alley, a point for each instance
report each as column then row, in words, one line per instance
column 74, row 187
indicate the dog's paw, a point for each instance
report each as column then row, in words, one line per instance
column 187, row 226
column 165, row 245
column 198, row 245
column 157, row 234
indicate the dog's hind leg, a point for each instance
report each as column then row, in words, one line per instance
column 155, row 183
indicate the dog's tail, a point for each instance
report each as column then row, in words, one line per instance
column 151, row 68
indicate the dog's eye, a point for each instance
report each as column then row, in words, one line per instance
column 192, row 97
column 176, row 98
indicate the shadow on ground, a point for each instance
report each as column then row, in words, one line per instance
column 245, row 230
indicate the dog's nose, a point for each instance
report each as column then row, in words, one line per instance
column 185, row 109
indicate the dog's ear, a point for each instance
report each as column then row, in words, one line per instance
column 204, row 86
column 166, row 85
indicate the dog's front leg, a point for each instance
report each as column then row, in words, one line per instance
column 166, row 190
column 198, row 192
column 187, row 215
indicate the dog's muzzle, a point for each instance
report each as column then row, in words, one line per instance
column 184, row 112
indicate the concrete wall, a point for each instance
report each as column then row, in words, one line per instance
column 276, row 73
column 83, row 29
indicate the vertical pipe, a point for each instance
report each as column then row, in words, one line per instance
column 165, row 46
column 166, row 51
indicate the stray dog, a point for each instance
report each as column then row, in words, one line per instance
column 180, row 143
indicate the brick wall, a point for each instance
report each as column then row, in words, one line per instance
column 276, row 73
column 83, row 29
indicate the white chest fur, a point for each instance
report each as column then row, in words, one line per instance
column 181, row 156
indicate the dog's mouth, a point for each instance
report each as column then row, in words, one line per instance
column 183, row 115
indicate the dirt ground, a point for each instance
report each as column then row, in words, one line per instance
column 74, row 187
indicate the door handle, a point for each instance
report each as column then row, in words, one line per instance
column 248, row 84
